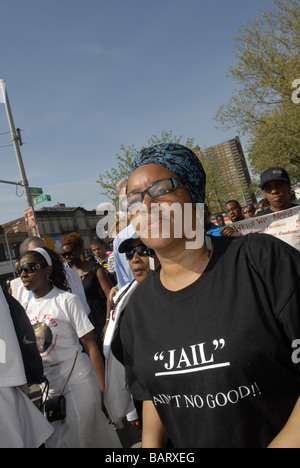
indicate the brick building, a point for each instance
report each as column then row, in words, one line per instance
column 53, row 224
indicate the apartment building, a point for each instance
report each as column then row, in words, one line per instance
column 228, row 174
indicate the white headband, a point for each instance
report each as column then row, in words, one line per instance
column 44, row 254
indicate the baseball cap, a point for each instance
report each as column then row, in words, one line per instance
column 274, row 173
column 125, row 245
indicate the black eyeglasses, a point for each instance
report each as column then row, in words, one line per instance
column 141, row 250
column 157, row 189
column 67, row 254
column 29, row 268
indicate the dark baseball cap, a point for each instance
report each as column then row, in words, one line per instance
column 274, row 173
column 125, row 245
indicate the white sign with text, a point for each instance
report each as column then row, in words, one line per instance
column 282, row 224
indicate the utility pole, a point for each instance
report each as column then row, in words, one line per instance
column 16, row 139
column 8, row 248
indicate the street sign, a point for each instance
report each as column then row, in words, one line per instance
column 29, row 217
column 36, row 190
column 41, row 199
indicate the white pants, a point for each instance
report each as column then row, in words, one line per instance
column 22, row 425
column 85, row 425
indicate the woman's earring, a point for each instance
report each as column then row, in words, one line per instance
column 152, row 263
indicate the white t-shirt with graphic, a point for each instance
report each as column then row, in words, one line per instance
column 59, row 320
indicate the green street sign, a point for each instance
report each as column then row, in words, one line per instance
column 36, row 190
column 41, row 199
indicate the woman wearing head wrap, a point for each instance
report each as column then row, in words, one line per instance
column 207, row 338
column 181, row 161
column 176, row 170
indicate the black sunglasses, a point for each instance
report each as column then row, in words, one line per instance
column 67, row 254
column 141, row 250
column 29, row 268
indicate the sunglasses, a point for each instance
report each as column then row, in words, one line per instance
column 29, row 268
column 141, row 250
column 67, row 254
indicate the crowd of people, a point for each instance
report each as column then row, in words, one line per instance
column 191, row 344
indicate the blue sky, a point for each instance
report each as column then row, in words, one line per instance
column 87, row 76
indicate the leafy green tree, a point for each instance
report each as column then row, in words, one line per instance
column 276, row 142
column 267, row 64
column 109, row 179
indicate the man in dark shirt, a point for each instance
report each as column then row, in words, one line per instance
column 276, row 185
column 234, row 212
column 98, row 247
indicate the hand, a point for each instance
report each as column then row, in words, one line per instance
column 227, row 231
column 110, row 300
column 135, row 423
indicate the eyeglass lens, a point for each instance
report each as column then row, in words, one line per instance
column 157, row 189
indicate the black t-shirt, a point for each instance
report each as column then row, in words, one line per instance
column 216, row 357
column 95, row 298
column 269, row 211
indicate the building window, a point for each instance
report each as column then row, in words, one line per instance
column 16, row 249
column 2, row 253
column 81, row 223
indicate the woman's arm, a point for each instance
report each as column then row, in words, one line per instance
column 109, row 307
column 91, row 348
column 289, row 437
column 104, row 282
column 154, row 435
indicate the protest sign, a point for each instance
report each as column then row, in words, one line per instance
column 282, row 224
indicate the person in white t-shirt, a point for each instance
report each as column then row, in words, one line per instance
column 73, row 279
column 59, row 321
column 22, row 425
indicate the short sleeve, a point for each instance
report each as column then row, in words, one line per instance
column 137, row 389
column 278, row 265
column 77, row 316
